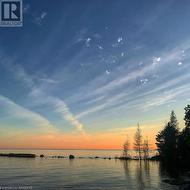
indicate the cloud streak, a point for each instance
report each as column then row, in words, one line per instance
column 58, row 105
column 167, row 58
column 20, row 112
column 62, row 108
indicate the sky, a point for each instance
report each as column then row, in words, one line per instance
column 83, row 73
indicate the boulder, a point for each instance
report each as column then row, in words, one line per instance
column 71, row 156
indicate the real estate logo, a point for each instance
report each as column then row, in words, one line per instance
column 11, row 13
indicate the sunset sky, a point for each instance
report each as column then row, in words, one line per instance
column 82, row 74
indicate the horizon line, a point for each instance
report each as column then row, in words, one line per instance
column 63, row 149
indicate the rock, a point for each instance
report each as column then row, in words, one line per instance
column 60, row 157
column 19, row 155
column 41, row 156
column 124, row 158
column 156, row 158
column 71, row 156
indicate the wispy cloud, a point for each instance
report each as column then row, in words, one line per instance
column 126, row 78
column 107, row 102
column 126, row 74
column 51, row 81
column 20, row 112
column 166, row 58
column 62, row 108
column 58, row 105
column 165, row 98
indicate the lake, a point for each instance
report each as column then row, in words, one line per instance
column 80, row 173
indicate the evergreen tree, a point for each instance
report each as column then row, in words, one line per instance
column 173, row 121
column 160, row 142
column 126, row 148
column 187, row 116
column 184, row 141
column 167, row 140
column 138, row 142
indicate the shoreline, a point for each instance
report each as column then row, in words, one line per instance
column 71, row 156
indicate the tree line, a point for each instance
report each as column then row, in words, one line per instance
column 140, row 146
column 173, row 144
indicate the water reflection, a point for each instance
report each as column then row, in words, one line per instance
column 128, row 175
column 170, row 169
column 133, row 170
column 149, row 174
column 141, row 174
column 82, row 174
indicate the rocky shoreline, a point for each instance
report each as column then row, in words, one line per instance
column 29, row 155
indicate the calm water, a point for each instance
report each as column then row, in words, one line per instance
column 80, row 174
column 77, row 153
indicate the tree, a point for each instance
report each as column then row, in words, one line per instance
column 187, row 116
column 184, row 141
column 173, row 120
column 126, row 148
column 173, row 145
column 160, row 141
column 138, row 142
column 145, row 149
column 167, row 140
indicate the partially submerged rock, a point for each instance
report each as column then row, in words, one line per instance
column 156, row 158
column 71, row 156
column 60, row 157
column 123, row 158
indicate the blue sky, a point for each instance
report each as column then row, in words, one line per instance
column 91, row 67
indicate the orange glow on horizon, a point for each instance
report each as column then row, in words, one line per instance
column 113, row 139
